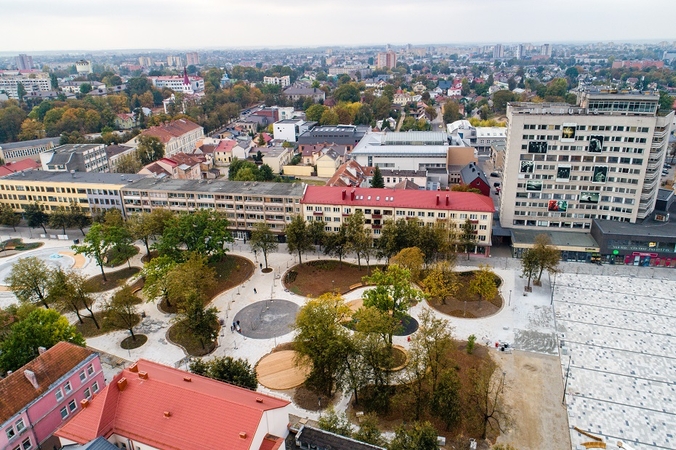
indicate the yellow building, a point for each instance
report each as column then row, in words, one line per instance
column 93, row 192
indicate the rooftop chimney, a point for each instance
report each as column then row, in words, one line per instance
column 133, row 368
column 122, row 384
column 437, row 199
column 30, row 375
column 448, row 201
column 259, row 400
column 352, row 195
column 188, row 379
column 167, row 414
column 344, row 194
column 143, row 375
column 242, row 434
column 84, row 402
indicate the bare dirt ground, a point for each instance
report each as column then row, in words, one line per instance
column 533, row 393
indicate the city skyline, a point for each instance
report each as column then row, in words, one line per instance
column 73, row 25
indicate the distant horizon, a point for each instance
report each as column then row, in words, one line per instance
column 45, row 26
column 45, row 52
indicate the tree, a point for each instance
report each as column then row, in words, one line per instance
column 483, row 283
column 191, row 278
column 451, row 111
column 464, row 188
column 155, row 272
column 446, row 403
column 368, row 430
column 336, row 244
column 433, row 340
column 263, row 240
column 666, row 103
column 500, row 100
column 29, row 280
column 329, row 117
column 548, row 256
column 335, row 423
column 60, row 219
column 377, row 181
column 78, row 218
column 8, row 217
column 94, row 245
column 441, row 282
column 77, row 293
column 322, row 340
column 227, row 369
column 42, row 328
column 317, row 233
column 128, row 164
column 149, row 149
column 120, row 245
column 204, row 231
column 121, row 311
column 35, row 216
column 410, row 258
column 314, row 113
column 529, row 265
column 146, row 226
column 201, row 321
column 359, row 237
column 467, row 236
column 486, row 398
column 392, row 294
column 419, row 436
column 298, row 238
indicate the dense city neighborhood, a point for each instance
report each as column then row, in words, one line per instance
column 399, row 247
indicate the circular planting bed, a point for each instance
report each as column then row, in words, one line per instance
column 113, row 279
column 467, row 305
column 266, row 319
column 317, row 277
column 399, row 358
column 129, row 344
column 278, row 370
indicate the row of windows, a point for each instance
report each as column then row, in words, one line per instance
column 590, row 127
column 579, row 158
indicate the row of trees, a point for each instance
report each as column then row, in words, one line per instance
column 542, row 257
column 36, row 216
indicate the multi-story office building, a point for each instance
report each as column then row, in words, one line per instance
column 243, row 203
column 284, row 81
column 498, row 51
column 93, row 192
column 567, row 165
column 14, row 151
column 24, row 62
column 332, row 205
column 76, row 157
column 34, row 81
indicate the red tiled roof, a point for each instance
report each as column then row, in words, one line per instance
column 226, row 145
column 202, row 413
column 15, row 389
column 170, row 130
column 18, row 166
column 458, row 201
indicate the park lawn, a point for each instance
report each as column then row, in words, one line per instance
column 114, row 279
column 112, row 260
column 314, row 278
column 179, row 335
column 474, row 308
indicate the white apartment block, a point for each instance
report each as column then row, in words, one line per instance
column 566, row 165
column 284, row 81
column 178, row 83
column 35, row 81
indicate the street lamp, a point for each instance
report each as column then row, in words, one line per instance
column 510, row 298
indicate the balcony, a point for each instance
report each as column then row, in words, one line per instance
column 377, row 216
column 376, row 227
column 317, row 213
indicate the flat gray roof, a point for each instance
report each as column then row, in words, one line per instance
column 78, row 177
column 649, row 228
column 561, row 239
column 33, row 143
column 217, row 186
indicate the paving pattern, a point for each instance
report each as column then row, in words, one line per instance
column 619, row 336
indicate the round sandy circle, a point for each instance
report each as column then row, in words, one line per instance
column 278, row 371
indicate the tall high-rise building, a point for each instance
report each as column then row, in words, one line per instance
column 145, row 61
column 24, row 62
column 546, row 50
column 192, row 58
column 520, row 51
column 174, row 61
column 567, row 165
column 386, row 60
column 498, row 51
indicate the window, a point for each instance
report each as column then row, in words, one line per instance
column 72, row 406
column 87, row 393
column 59, row 395
column 83, row 376
column 19, row 425
column 10, row 432
column 64, row 412
column 67, row 387
column 26, row 444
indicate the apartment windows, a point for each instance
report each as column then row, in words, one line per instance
column 10, row 432
column 67, row 387
column 83, row 376
column 87, row 393
column 26, row 444
column 59, row 395
column 64, row 412
column 72, row 406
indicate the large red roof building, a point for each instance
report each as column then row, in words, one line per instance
column 152, row 406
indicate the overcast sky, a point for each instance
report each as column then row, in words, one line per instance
column 35, row 25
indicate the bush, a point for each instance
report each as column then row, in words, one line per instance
column 470, row 344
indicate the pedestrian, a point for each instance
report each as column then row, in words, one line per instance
column 255, row 292
column 261, row 266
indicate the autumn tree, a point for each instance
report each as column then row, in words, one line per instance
column 529, row 265
column 8, row 217
column 60, row 219
column 336, row 244
column 467, row 236
column 146, row 226
column 359, row 238
column 155, row 272
column 335, row 423
column 227, row 369
column 451, row 111
column 263, row 240
column 446, row 399
column 203, row 231
column 410, row 258
column 29, row 280
column 441, row 282
column 149, row 149
column 547, row 255
column 483, row 283
column 368, row 430
column 321, row 340
column 193, row 278
column 94, row 245
column 121, row 311
column 197, row 319
column 298, row 238
column 486, row 398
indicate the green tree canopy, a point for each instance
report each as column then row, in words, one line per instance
column 228, row 369
column 204, row 231
column 377, row 181
column 29, row 280
column 149, row 149
column 263, row 240
column 298, row 238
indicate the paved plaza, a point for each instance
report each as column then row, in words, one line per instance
column 618, row 334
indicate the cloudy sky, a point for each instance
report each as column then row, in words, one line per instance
column 35, row 25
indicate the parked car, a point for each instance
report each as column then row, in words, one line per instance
column 667, row 166
column 496, row 184
column 495, row 174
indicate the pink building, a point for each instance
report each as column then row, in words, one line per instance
column 45, row 393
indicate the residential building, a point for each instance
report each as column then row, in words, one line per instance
column 497, row 157
column 14, row 151
column 174, row 61
column 115, row 153
column 276, row 157
column 83, row 67
column 638, row 64
column 348, row 135
column 145, row 61
column 284, row 81
column 223, row 151
column 94, row 192
column 392, row 177
column 289, row 129
column 41, row 396
column 32, row 81
column 152, row 406
column 177, row 136
column 488, row 136
column 19, row 166
column 76, row 157
column 179, row 83
column 546, row 50
column 402, row 98
column 192, row 59
column 332, row 205
column 568, row 165
column 179, row 166
column 296, row 93
column 498, row 51
column 328, row 163
column 349, row 174
column 386, row 60
column 243, row 203
column 471, row 175
column 24, row 62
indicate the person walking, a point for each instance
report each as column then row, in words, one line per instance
column 255, row 291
